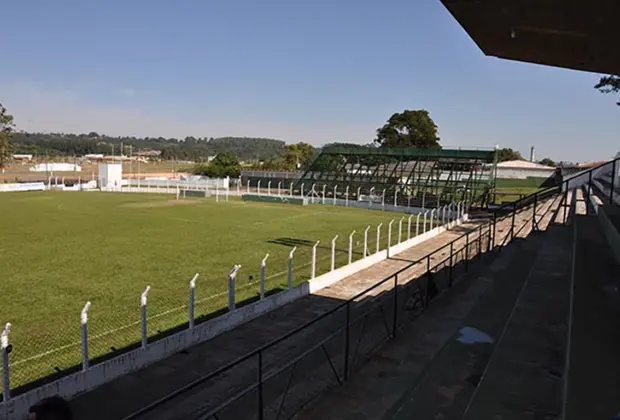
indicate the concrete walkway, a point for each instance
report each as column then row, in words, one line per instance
column 136, row 390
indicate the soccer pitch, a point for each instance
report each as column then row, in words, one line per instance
column 62, row 249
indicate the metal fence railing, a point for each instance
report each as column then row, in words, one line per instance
column 276, row 379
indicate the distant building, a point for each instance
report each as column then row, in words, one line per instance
column 23, row 158
column 522, row 169
column 148, row 153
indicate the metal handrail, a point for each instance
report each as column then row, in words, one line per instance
column 258, row 351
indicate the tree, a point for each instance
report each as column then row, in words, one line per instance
column 223, row 165
column 609, row 84
column 409, row 129
column 548, row 162
column 508, row 154
column 6, row 131
column 298, row 155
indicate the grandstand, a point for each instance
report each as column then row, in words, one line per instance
column 424, row 178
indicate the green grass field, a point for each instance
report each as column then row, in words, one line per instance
column 59, row 250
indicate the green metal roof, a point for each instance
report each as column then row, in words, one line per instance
column 485, row 155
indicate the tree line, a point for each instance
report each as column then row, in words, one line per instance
column 187, row 149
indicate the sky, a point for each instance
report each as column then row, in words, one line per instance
column 316, row 71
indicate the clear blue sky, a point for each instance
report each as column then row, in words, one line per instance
column 315, row 71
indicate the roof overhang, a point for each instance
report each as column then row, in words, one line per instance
column 574, row 34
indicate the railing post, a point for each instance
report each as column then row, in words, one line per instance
column 280, row 189
column 351, row 247
column 257, row 187
column 301, row 190
column 534, row 225
column 334, row 197
column 409, row 226
column 312, row 193
column 313, row 270
column 346, row 197
column 192, row 300
column 432, row 218
column 84, row 322
column 428, row 280
column 347, row 340
column 366, row 241
column 425, row 213
column 260, row 385
column 333, row 267
column 394, row 319
column 263, row 266
column 248, row 186
column 443, row 215
column 323, row 198
column 269, row 188
column 467, row 252
column 289, row 278
column 143, row 317
column 613, row 182
column 389, row 238
column 383, row 200
column 6, row 349
column 451, row 263
column 379, row 236
column 512, row 223
column 231, row 287
column 400, row 229
column 359, row 189
column 290, row 193
column 396, row 198
column 589, row 192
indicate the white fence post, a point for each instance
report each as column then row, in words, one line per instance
column 417, row 225
column 334, row 197
column 291, row 189
column 314, row 259
column 389, row 241
column 346, row 197
column 379, row 236
column 443, row 215
column 432, row 217
column 269, row 188
column 84, row 321
column 396, row 198
column 400, row 229
column 351, row 247
column 280, row 189
column 6, row 349
column 263, row 266
column 192, row 300
column 258, row 187
column 370, row 197
column 145, row 337
column 324, row 187
column 409, row 227
column 231, row 287
column 334, row 252
column 312, row 193
column 301, row 191
column 383, row 200
column 289, row 279
column 359, row 189
column 425, row 214
column 248, row 186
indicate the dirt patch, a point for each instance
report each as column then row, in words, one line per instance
column 153, row 204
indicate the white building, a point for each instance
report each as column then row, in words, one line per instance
column 522, row 169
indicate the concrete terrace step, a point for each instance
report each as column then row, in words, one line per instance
column 140, row 388
column 449, row 382
column 594, row 372
column 524, row 376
